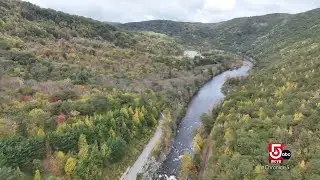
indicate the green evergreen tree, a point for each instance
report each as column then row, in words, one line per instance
column 117, row 149
column 83, row 146
column 18, row 174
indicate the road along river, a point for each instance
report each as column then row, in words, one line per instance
column 132, row 172
column 203, row 102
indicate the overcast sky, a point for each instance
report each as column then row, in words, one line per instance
column 178, row 10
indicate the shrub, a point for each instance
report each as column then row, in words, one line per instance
column 23, row 58
column 61, row 118
column 4, row 45
column 81, row 77
column 85, row 108
column 99, row 103
column 25, row 98
column 27, row 91
column 64, row 95
column 55, row 99
column 62, row 107
column 40, row 71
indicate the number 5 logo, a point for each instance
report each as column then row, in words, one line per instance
column 275, row 153
column 275, row 150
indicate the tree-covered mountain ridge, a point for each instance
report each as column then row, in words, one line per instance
column 250, row 35
column 279, row 102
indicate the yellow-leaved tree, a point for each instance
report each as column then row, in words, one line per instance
column 197, row 143
column 186, row 167
column 40, row 132
column 70, row 166
column 136, row 115
column 37, row 175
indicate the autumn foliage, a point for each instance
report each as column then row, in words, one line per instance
column 55, row 99
column 60, row 118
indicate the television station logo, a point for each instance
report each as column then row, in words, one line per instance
column 277, row 153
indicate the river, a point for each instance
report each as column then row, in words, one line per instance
column 207, row 97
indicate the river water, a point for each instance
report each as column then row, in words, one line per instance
column 207, row 97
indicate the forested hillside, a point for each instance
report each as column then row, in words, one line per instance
column 279, row 102
column 191, row 34
column 80, row 98
column 232, row 35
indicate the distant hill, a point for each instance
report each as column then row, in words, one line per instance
column 113, row 23
column 242, row 34
column 188, row 33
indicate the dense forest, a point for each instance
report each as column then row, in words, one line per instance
column 279, row 102
column 80, row 98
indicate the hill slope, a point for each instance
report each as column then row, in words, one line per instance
column 278, row 103
column 248, row 35
column 212, row 34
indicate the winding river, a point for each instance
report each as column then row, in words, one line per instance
column 207, row 97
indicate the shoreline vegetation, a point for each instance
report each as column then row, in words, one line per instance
column 169, row 124
column 182, row 111
column 202, row 137
column 193, row 166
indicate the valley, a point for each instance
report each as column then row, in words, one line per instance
column 80, row 99
column 277, row 103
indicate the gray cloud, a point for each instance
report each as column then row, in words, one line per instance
column 179, row 10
